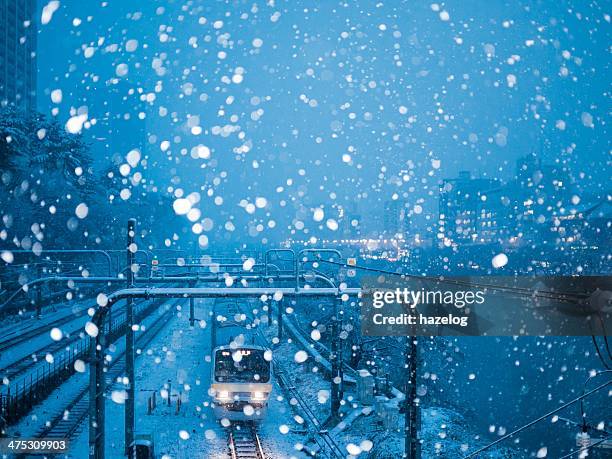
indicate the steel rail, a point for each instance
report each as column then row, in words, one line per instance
column 325, row 440
column 232, row 446
column 94, row 327
column 244, row 442
column 79, row 279
column 13, row 341
column 285, row 383
column 113, row 370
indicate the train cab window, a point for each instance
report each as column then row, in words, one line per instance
column 241, row 365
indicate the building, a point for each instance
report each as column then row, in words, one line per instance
column 18, row 53
column 395, row 218
column 351, row 223
column 472, row 210
column 526, row 210
column 541, row 193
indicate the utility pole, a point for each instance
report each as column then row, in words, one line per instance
column 192, row 307
column 39, row 292
column 129, row 340
column 411, row 402
column 96, row 400
column 279, row 319
column 337, row 374
column 213, row 327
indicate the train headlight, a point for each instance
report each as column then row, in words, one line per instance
column 223, row 395
column 259, row 395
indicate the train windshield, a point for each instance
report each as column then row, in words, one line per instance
column 241, row 365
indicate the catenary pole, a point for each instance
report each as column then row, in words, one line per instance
column 412, row 446
column 129, row 339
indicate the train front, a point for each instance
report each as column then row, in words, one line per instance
column 241, row 382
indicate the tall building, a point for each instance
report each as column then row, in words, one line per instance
column 530, row 208
column 395, row 218
column 472, row 209
column 541, row 197
column 351, row 223
column 18, row 53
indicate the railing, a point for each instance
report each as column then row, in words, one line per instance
column 21, row 398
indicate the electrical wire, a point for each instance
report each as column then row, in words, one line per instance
column 559, row 296
column 585, row 448
column 578, row 424
column 601, row 357
column 582, row 413
column 535, row 421
column 607, row 346
column 563, row 296
column 605, row 335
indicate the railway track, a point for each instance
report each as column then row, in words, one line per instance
column 18, row 337
column 21, row 366
column 66, row 424
column 244, row 442
column 318, row 433
column 26, row 363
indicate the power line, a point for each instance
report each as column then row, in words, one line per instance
column 582, row 413
column 607, row 346
column 605, row 334
column 585, row 448
column 603, row 361
column 560, row 296
column 578, row 424
column 535, row 421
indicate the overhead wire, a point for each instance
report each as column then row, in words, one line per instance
column 570, row 297
column 586, row 448
column 535, row 421
column 601, row 357
column 562, row 296
column 539, row 419
column 582, row 413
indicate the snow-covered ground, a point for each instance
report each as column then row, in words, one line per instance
column 177, row 357
column 361, row 431
column 55, row 343
column 10, row 330
column 58, row 399
column 40, row 341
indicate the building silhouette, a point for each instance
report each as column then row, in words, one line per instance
column 395, row 218
column 529, row 208
column 351, row 222
column 18, row 53
column 541, row 194
column 470, row 209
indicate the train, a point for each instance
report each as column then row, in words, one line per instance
column 241, row 382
